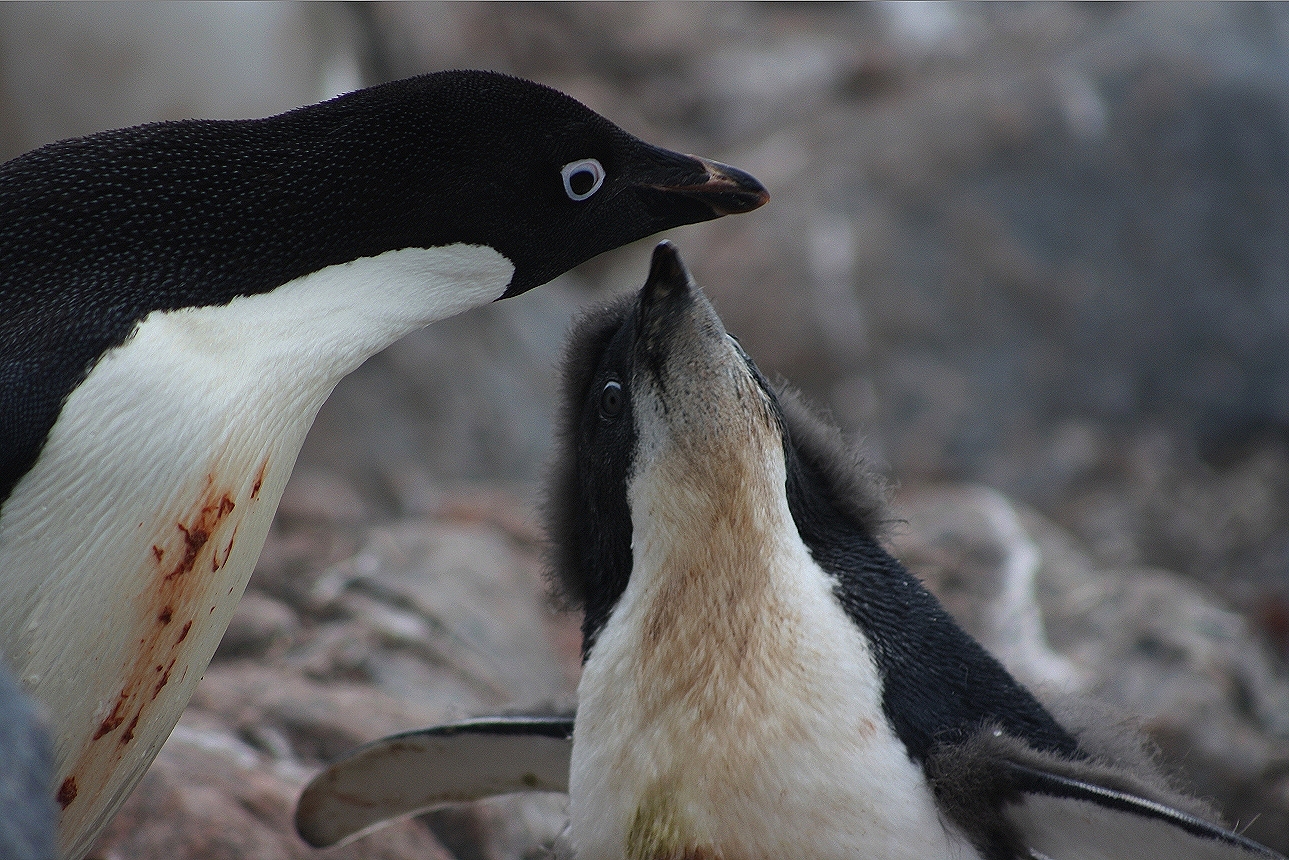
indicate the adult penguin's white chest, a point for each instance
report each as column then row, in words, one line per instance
column 154, row 493
column 730, row 709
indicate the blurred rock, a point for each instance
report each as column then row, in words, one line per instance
column 458, row 598
column 260, row 627
column 317, row 495
column 76, row 69
column 28, row 819
column 296, row 718
column 210, row 796
column 1145, row 643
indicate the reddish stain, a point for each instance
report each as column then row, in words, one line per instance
column 194, row 539
column 115, row 718
column 67, row 792
column 197, row 533
column 259, row 479
column 128, row 735
column 165, row 679
column 181, row 580
column 228, row 550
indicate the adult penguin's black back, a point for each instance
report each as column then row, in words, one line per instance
column 177, row 300
column 761, row 678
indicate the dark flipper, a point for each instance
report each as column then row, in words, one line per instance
column 410, row 772
column 1065, row 818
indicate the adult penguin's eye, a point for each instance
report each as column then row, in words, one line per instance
column 611, row 400
column 582, row 178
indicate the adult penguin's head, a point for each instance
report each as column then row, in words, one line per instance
column 528, row 171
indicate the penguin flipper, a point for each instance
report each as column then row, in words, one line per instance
column 414, row 771
column 1064, row 818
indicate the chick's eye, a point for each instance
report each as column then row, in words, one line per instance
column 611, row 400
column 582, row 178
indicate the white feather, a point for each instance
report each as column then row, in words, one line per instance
column 125, row 548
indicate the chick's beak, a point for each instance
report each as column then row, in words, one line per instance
column 672, row 311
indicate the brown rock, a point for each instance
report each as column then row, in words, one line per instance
column 208, row 796
column 1147, row 645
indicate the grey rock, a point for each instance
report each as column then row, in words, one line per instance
column 208, row 795
column 260, row 626
column 458, row 598
column 27, row 813
column 319, row 721
column 1146, row 645
column 73, row 70
column 320, row 496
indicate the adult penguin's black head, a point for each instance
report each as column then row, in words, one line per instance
column 525, row 169
column 461, row 156
column 583, row 184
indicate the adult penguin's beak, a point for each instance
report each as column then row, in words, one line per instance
column 727, row 190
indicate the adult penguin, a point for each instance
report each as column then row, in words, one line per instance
column 176, row 302
column 761, row 679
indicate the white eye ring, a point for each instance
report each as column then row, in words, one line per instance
column 584, row 165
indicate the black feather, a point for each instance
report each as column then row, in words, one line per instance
column 587, row 519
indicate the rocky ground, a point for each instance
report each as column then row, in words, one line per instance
column 1035, row 255
column 353, row 631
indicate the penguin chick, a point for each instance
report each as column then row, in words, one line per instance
column 176, row 302
column 761, row 679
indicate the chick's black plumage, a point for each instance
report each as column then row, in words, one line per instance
column 587, row 484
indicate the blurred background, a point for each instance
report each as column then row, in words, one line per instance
column 1035, row 256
